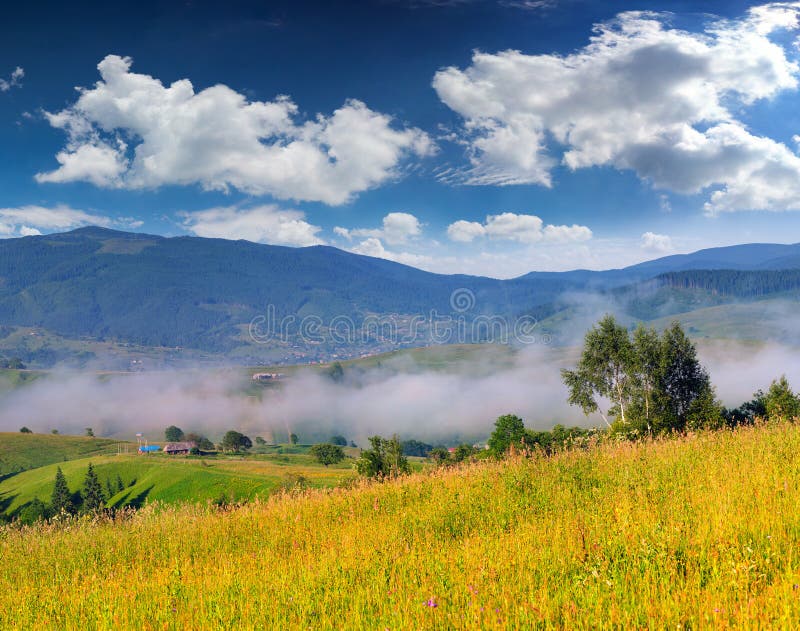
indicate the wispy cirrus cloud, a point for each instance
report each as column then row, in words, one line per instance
column 13, row 81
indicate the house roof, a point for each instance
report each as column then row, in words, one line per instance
column 183, row 446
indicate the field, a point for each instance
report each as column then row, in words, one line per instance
column 28, row 464
column 173, row 479
column 20, row 452
column 695, row 532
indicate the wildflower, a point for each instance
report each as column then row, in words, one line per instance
column 431, row 603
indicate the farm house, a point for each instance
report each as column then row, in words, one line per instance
column 179, row 448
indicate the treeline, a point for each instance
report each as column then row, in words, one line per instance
column 92, row 498
column 734, row 283
column 642, row 383
column 653, row 383
column 13, row 363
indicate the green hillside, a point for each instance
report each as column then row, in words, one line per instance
column 695, row 532
column 760, row 320
column 20, row 452
column 700, row 312
column 173, row 479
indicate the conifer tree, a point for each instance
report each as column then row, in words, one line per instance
column 61, row 500
column 93, row 499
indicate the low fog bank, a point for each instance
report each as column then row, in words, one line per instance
column 738, row 369
column 460, row 403
column 400, row 396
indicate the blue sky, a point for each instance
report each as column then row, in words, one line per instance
column 489, row 137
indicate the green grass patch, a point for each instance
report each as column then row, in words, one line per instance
column 174, row 479
column 20, row 452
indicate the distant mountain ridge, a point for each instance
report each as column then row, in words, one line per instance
column 750, row 256
column 196, row 293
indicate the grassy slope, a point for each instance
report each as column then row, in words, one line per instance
column 11, row 378
column 173, row 479
column 761, row 320
column 20, row 452
column 696, row 532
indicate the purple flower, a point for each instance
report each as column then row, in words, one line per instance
column 431, row 603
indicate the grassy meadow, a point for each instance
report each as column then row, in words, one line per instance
column 701, row 531
column 172, row 479
column 20, row 452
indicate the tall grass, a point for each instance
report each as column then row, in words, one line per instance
column 696, row 532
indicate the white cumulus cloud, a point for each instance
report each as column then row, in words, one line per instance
column 373, row 246
column 32, row 220
column 659, row 243
column 465, row 231
column 514, row 227
column 262, row 224
column 131, row 131
column 641, row 96
column 397, row 228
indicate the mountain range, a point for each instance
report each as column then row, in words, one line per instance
column 62, row 295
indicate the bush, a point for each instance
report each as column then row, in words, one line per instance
column 327, row 454
column 384, row 460
column 33, row 511
column 508, row 430
column 748, row 412
column 173, row 434
column 439, row 455
column 416, row 448
column 293, row 482
column 235, row 441
column 780, row 402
